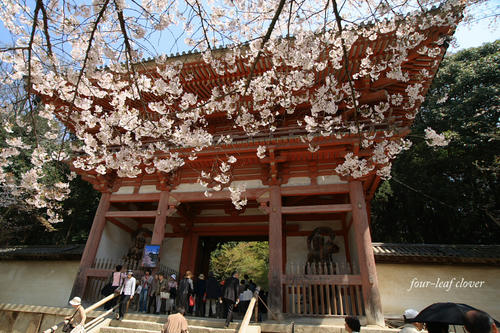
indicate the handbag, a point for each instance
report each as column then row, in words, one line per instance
column 138, row 290
column 107, row 289
column 68, row 326
column 191, row 301
column 173, row 292
column 164, row 294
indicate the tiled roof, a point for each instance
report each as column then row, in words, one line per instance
column 437, row 253
column 42, row 252
column 384, row 253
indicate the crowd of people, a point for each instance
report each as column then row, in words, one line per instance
column 160, row 294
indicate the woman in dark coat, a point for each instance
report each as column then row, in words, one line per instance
column 200, row 288
column 213, row 295
column 231, row 295
column 185, row 290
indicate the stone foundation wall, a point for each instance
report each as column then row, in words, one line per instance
column 44, row 283
column 29, row 318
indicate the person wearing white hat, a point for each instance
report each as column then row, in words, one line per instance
column 172, row 290
column 77, row 321
column 410, row 327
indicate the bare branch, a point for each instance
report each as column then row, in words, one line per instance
column 346, row 63
column 264, row 41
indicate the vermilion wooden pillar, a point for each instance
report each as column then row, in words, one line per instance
column 371, row 295
column 189, row 253
column 92, row 245
column 161, row 219
column 275, row 298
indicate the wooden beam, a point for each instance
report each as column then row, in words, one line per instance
column 186, row 255
column 336, row 208
column 120, row 225
column 314, row 189
column 131, row 213
column 349, row 225
column 194, row 252
column 251, row 194
column 366, row 258
column 316, row 217
column 227, row 230
column 161, row 219
column 275, row 298
column 139, row 197
column 230, row 219
column 295, row 233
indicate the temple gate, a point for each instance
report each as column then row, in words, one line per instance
column 317, row 222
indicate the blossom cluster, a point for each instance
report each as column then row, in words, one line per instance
column 133, row 117
column 434, row 139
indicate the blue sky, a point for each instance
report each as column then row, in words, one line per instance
column 480, row 32
column 466, row 36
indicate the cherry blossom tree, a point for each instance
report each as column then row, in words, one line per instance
column 90, row 57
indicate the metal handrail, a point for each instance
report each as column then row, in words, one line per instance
column 87, row 310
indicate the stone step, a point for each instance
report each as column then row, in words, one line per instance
column 192, row 329
column 132, row 319
column 126, row 330
column 137, row 324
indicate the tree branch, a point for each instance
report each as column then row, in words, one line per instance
column 338, row 19
column 264, row 41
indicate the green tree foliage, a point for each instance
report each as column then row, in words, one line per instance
column 21, row 223
column 449, row 194
column 250, row 258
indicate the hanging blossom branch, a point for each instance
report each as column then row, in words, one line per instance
column 131, row 120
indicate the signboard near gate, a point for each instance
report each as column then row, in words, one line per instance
column 150, row 256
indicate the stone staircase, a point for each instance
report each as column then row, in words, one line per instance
column 143, row 323
column 152, row 324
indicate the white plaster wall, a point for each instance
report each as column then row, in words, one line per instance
column 148, row 189
column 125, row 190
column 332, row 179
column 296, row 250
column 297, row 181
column 189, row 187
column 170, row 254
column 115, row 242
column 395, row 281
column 37, row 282
column 253, row 183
